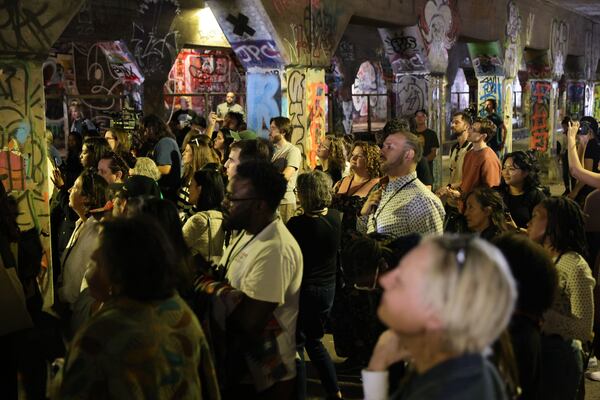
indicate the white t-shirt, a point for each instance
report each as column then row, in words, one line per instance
column 268, row 267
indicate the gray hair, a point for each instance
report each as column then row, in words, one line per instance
column 314, row 190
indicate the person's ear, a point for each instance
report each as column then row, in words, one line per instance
column 119, row 175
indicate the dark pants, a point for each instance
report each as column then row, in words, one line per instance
column 313, row 311
column 561, row 369
column 568, row 180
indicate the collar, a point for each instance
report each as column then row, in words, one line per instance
column 402, row 180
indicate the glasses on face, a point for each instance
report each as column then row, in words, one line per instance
column 322, row 145
column 230, row 199
column 357, row 156
column 510, row 168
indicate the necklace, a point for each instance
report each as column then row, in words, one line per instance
column 229, row 256
column 351, row 192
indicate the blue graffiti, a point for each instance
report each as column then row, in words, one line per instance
column 263, row 100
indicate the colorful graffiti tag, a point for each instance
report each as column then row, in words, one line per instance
column 263, row 100
column 296, row 91
column 540, row 105
column 489, row 87
column 404, row 49
column 575, row 98
column 317, row 111
column 258, row 53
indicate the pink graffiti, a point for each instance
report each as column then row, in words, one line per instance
column 316, row 116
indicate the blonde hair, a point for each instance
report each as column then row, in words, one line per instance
column 202, row 154
column 146, row 167
column 471, row 289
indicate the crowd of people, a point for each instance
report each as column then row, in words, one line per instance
column 204, row 262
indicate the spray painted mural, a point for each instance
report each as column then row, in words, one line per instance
column 204, row 77
column 438, row 24
column 512, row 42
column 489, row 87
column 404, row 50
column 264, row 99
column 411, row 94
column 23, row 161
column 306, row 100
column 486, row 58
column 540, row 114
column 559, row 41
column 369, row 81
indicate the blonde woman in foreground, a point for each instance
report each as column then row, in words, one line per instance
column 447, row 301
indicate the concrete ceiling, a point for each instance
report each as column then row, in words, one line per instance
column 588, row 8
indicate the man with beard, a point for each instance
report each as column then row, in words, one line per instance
column 461, row 122
column 265, row 263
column 497, row 139
column 402, row 204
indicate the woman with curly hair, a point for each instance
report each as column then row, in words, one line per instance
column 352, row 191
column 557, row 224
column 196, row 155
column 484, row 212
column 520, row 186
column 331, row 157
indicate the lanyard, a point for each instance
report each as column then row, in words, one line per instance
column 380, row 209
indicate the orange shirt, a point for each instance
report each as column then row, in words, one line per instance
column 480, row 168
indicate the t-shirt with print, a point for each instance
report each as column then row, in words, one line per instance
column 268, row 267
column 285, row 156
column 166, row 152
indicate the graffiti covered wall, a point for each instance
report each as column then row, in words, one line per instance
column 597, row 101
column 575, row 98
column 540, row 114
column 489, row 87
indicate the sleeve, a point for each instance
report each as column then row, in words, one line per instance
column 490, row 171
column 163, row 151
column 591, row 150
column 193, row 229
column 294, row 158
column 270, row 276
column 581, row 286
column 375, row 384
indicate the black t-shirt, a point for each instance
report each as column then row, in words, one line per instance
column 428, row 140
column 319, row 240
column 424, row 172
column 521, row 206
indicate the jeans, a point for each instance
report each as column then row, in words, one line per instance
column 313, row 311
column 561, row 368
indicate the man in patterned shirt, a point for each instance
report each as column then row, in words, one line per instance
column 401, row 204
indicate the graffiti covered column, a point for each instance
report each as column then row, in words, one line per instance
column 512, row 61
column 438, row 26
column 541, row 91
column 28, row 30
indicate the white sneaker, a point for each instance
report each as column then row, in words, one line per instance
column 593, row 363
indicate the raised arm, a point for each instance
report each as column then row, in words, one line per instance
column 575, row 168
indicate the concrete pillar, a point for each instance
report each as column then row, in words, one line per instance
column 28, row 31
column 597, row 101
column 306, row 101
column 437, row 120
column 263, row 87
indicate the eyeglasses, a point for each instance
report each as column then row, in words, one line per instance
column 321, row 145
column 230, row 199
column 510, row 169
column 357, row 156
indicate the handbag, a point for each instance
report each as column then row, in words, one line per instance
column 13, row 309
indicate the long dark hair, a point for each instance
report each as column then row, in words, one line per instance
column 487, row 197
column 526, row 162
column 95, row 188
column 564, row 227
column 156, row 127
column 213, row 189
column 96, row 148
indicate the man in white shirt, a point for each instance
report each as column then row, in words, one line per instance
column 264, row 262
column 287, row 159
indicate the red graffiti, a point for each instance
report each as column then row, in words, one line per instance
column 540, row 100
column 316, row 117
column 12, row 171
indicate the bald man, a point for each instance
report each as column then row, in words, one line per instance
column 229, row 105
